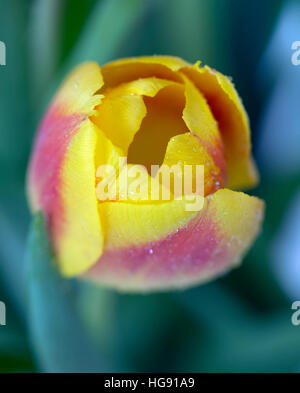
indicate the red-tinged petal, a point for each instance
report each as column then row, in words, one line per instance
column 76, row 228
column 233, row 123
column 200, row 121
column 72, row 105
column 193, row 247
column 61, row 176
column 63, row 186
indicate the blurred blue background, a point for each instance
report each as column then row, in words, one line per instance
column 239, row 323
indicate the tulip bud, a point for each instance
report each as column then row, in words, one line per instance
column 98, row 164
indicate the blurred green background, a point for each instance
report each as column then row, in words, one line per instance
column 239, row 323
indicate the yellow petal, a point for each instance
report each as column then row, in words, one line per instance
column 121, row 112
column 78, row 236
column 200, row 121
column 172, row 62
column 126, row 70
column 197, row 114
column 186, row 149
column 228, row 110
column 126, row 224
column 78, row 92
column 162, row 247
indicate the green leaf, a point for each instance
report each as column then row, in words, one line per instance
column 15, row 122
column 60, row 339
column 236, row 338
column 12, row 342
column 44, row 43
column 194, row 31
column 14, row 222
column 11, row 258
column 13, row 346
column 107, row 28
column 75, row 15
column 15, row 354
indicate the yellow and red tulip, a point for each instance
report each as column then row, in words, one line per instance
column 149, row 109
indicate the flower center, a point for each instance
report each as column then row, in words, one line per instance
column 162, row 122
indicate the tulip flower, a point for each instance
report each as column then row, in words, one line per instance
column 156, row 110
